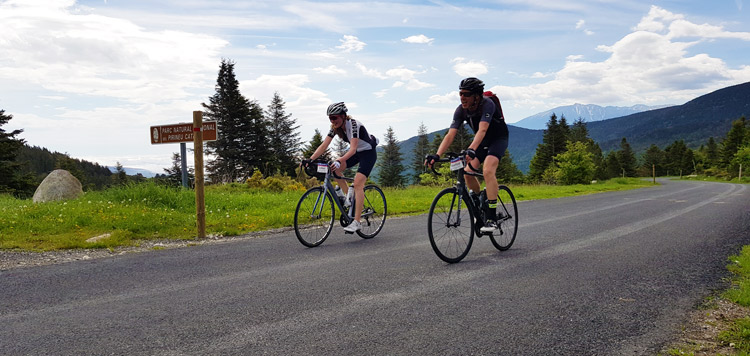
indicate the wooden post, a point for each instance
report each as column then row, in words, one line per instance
column 740, row 179
column 653, row 172
column 200, row 208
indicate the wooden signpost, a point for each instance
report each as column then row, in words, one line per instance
column 196, row 132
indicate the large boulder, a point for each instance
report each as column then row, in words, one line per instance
column 58, row 185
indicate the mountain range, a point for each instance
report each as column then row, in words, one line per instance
column 694, row 122
column 587, row 112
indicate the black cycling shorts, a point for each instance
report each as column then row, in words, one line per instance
column 366, row 160
column 495, row 148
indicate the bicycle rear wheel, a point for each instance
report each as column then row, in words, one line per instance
column 374, row 211
column 313, row 219
column 507, row 219
column 450, row 225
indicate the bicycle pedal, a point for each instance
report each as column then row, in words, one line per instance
column 349, row 232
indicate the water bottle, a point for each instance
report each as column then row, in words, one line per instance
column 349, row 197
column 340, row 194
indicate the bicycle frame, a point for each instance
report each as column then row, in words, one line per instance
column 328, row 188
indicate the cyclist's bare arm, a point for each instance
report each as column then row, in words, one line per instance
column 322, row 148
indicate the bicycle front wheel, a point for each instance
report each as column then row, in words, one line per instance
column 313, row 219
column 507, row 219
column 374, row 211
column 450, row 225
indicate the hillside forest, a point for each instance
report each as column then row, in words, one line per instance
column 264, row 144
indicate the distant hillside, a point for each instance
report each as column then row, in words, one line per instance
column 588, row 113
column 134, row 171
column 710, row 115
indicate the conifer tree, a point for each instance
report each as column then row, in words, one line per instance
column 507, row 171
column 653, row 161
column 553, row 143
column 626, row 158
column 421, row 149
column 120, row 177
column 391, row 168
column 283, row 138
column 736, row 136
column 309, row 149
column 12, row 180
column 678, row 158
column 174, row 173
column 713, row 154
column 242, row 145
column 435, row 144
column 462, row 140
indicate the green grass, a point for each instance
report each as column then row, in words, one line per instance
column 739, row 333
column 145, row 211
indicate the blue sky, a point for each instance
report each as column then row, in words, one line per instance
column 88, row 78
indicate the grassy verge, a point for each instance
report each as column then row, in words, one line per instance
column 146, row 211
column 739, row 332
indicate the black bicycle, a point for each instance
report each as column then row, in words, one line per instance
column 455, row 216
column 316, row 210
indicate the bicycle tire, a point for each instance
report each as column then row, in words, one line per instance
column 313, row 217
column 374, row 211
column 507, row 213
column 451, row 234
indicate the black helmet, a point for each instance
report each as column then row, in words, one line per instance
column 472, row 84
column 337, row 109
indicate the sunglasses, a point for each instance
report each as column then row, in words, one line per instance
column 334, row 117
column 465, row 93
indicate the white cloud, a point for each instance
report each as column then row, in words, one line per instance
column 331, row 69
column 66, row 51
column 647, row 66
column 369, row 72
column 466, row 68
column 451, row 97
column 351, row 44
column 580, row 24
column 420, row 39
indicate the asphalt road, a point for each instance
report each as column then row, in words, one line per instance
column 604, row 274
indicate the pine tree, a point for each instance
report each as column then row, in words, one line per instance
column 553, row 143
column 242, row 145
column 174, row 173
column 462, row 140
column 12, row 179
column 653, row 161
column 283, row 137
column 308, row 150
column 421, row 149
column 627, row 159
column 120, row 177
column 612, row 167
column 712, row 153
column 435, row 144
column 734, row 140
column 678, row 158
column 389, row 162
column 507, row 171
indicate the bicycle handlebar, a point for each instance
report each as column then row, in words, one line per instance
column 310, row 167
column 451, row 155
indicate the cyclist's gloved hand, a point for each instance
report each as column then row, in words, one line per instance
column 305, row 162
column 471, row 153
column 335, row 165
column 429, row 160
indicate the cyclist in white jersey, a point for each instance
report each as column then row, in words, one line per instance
column 361, row 151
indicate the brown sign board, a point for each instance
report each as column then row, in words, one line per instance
column 182, row 132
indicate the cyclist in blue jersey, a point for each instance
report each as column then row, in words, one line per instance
column 361, row 151
column 489, row 144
